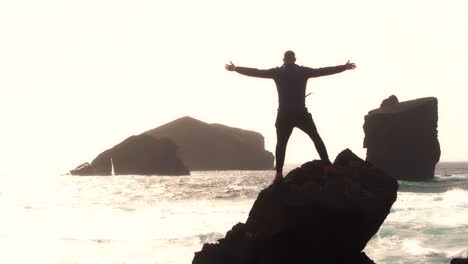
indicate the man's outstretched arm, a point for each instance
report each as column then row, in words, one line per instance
column 251, row 71
column 311, row 73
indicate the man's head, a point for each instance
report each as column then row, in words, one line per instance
column 289, row 57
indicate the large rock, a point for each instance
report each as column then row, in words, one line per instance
column 401, row 138
column 310, row 217
column 137, row 155
column 206, row 146
column 459, row 261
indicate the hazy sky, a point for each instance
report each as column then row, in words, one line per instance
column 78, row 77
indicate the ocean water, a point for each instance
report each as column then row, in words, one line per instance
column 164, row 220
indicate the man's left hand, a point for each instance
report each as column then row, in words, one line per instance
column 350, row 66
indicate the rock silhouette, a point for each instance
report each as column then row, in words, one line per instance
column 137, row 155
column 401, row 138
column 459, row 261
column 310, row 217
column 204, row 146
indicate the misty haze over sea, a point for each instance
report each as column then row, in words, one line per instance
column 141, row 219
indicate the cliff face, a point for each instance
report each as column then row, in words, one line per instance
column 137, row 155
column 311, row 217
column 206, row 146
column 401, row 138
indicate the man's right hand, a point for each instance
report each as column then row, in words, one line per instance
column 230, row 67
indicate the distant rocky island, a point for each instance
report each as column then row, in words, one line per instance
column 180, row 146
column 310, row 217
column 204, row 146
column 401, row 138
column 136, row 155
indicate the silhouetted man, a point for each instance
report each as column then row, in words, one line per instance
column 291, row 81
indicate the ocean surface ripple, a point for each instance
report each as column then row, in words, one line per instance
column 163, row 219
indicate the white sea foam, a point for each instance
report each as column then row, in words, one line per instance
column 136, row 219
column 456, row 198
column 169, row 232
column 415, row 247
column 447, row 209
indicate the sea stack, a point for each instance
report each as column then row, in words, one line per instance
column 136, row 155
column 204, row 146
column 401, row 138
column 311, row 217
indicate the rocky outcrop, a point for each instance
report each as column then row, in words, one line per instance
column 459, row 261
column 310, row 217
column 136, row 155
column 401, row 138
column 206, row 146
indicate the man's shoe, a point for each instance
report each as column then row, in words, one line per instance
column 278, row 177
column 329, row 169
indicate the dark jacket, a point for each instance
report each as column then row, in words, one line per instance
column 291, row 82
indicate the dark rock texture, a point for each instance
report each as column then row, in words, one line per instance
column 137, row 155
column 206, row 146
column 310, row 217
column 459, row 261
column 401, row 138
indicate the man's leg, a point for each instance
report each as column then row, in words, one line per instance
column 308, row 126
column 283, row 132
